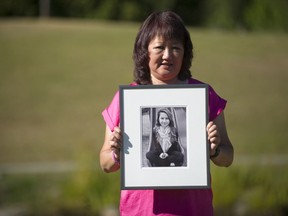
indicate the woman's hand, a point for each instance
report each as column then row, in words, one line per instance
column 218, row 138
column 115, row 142
column 213, row 137
column 110, row 152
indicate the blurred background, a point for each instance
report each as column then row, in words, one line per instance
column 61, row 61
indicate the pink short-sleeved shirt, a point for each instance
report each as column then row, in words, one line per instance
column 188, row 202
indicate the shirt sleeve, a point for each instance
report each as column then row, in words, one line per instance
column 111, row 114
column 216, row 104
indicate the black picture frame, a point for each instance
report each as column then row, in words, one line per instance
column 184, row 161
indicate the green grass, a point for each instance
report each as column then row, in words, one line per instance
column 251, row 190
column 78, row 193
column 56, row 78
column 58, row 75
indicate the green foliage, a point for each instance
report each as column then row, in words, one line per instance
column 18, row 8
column 108, row 10
column 87, row 191
column 265, row 14
column 130, row 11
column 78, row 193
column 220, row 14
column 251, row 190
column 71, row 8
column 91, row 189
column 252, row 15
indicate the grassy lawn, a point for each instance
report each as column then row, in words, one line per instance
column 57, row 76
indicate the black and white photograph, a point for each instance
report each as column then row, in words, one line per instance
column 164, row 137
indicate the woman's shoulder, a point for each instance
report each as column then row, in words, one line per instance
column 216, row 103
column 196, row 81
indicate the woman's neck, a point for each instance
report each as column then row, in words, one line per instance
column 156, row 81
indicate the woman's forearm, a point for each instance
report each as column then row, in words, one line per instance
column 110, row 152
column 225, row 156
column 225, row 149
column 107, row 162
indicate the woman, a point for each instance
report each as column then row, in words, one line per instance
column 162, row 55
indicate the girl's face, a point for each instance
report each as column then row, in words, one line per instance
column 165, row 60
column 163, row 119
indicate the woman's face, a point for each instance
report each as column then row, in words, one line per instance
column 163, row 119
column 165, row 60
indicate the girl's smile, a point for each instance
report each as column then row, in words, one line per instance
column 163, row 119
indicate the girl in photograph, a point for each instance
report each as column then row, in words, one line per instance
column 165, row 149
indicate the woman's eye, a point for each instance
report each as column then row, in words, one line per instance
column 176, row 48
column 159, row 48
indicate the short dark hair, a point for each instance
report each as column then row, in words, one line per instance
column 170, row 26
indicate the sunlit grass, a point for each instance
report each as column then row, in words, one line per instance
column 56, row 78
column 58, row 75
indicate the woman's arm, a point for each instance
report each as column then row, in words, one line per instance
column 219, row 142
column 112, row 143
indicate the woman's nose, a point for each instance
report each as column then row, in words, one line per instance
column 166, row 53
